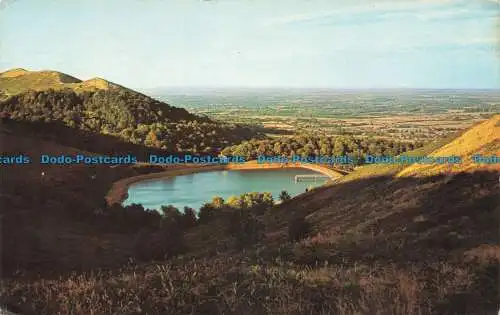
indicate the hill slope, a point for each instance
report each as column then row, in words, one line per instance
column 12, row 73
column 102, row 107
column 45, row 217
column 483, row 139
column 375, row 245
column 19, row 80
column 16, row 81
column 479, row 139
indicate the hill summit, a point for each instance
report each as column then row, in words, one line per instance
column 101, row 107
column 99, row 83
column 18, row 80
column 12, row 73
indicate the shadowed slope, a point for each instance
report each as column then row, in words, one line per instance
column 377, row 244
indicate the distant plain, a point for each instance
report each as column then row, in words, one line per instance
column 406, row 114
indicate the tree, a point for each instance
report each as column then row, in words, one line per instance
column 277, row 148
column 206, row 213
column 308, row 150
column 188, row 218
column 338, row 147
column 235, row 202
column 171, row 215
column 217, row 202
column 261, row 149
column 284, row 196
column 326, row 149
column 151, row 139
column 267, row 199
column 245, row 227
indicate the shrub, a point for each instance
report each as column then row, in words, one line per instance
column 298, row 228
column 130, row 218
column 217, row 202
column 188, row 218
column 161, row 244
column 245, row 227
column 171, row 215
column 206, row 213
column 251, row 200
column 284, row 196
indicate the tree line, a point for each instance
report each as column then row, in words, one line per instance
column 308, row 144
column 131, row 116
column 160, row 233
column 241, row 216
column 138, row 119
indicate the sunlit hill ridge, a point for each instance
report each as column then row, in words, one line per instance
column 19, row 80
column 98, row 106
column 482, row 139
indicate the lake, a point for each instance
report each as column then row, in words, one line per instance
column 194, row 190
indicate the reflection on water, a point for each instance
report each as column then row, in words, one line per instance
column 193, row 190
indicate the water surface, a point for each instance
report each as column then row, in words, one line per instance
column 193, row 190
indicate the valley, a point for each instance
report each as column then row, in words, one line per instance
column 380, row 238
column 225, row 157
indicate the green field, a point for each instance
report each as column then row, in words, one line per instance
column 401, row 114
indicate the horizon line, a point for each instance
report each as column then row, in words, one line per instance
column 314, row 88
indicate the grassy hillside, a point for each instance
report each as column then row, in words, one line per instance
column 375, row 244
column 367, row 171
column 101, row 107
column 483, row 139
column 19, row 80
column 48, row 220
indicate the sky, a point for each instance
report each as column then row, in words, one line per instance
column 258, row 43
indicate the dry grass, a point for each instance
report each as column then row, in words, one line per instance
column 13, row 73
column 378, row 245
column 17, row 81
column 229, row 285
column 481, row 139
column 425, row 258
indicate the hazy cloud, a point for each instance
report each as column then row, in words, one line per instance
column 325, row 42
column 5, row 3
column 383, row 9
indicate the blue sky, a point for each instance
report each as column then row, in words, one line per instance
column 295, row 43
